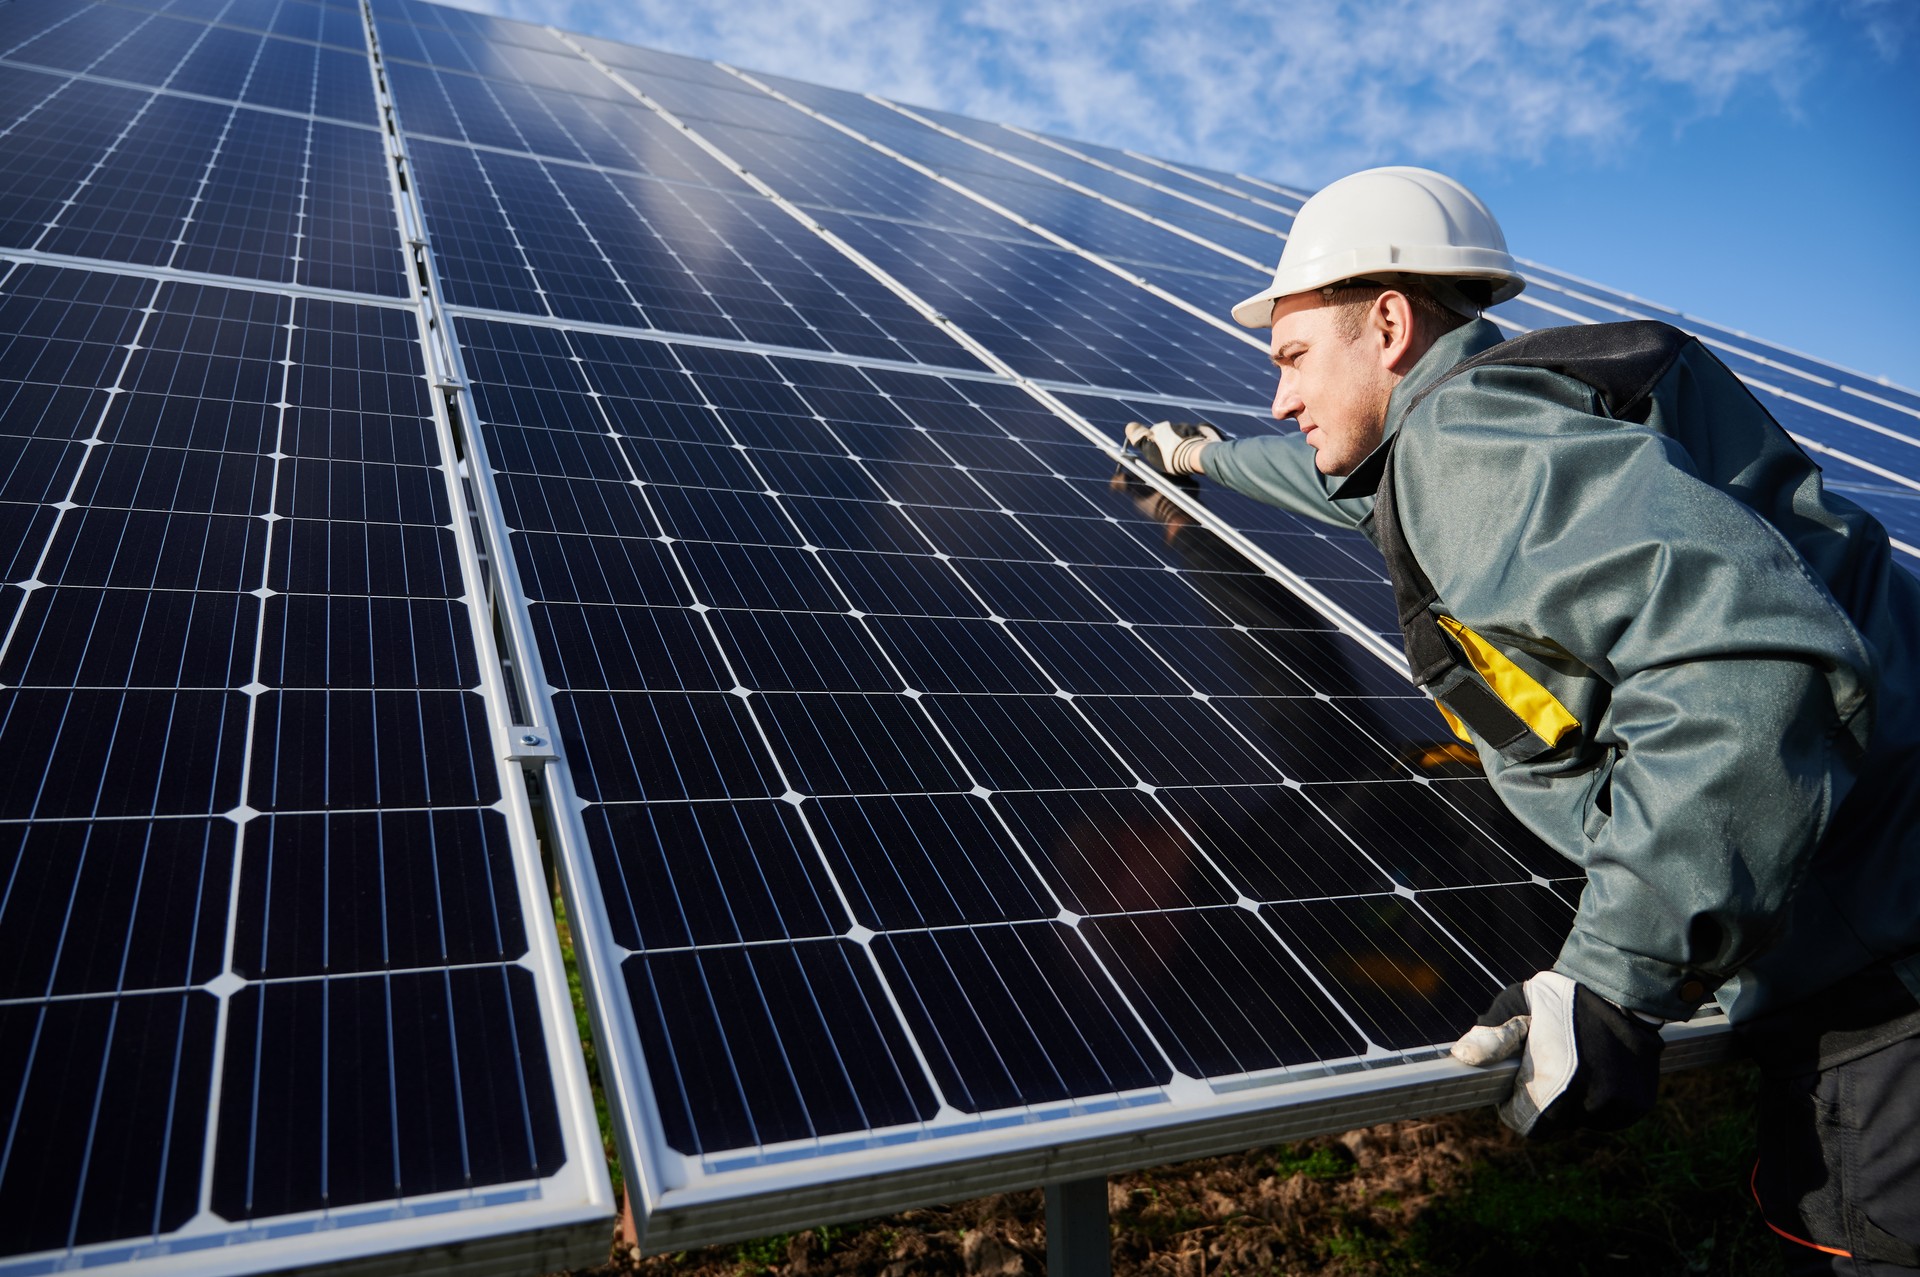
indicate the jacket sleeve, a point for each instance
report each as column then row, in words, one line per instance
column 1738, row 687
column 1279, row 470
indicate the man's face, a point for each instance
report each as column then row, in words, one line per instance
column 1334, row 386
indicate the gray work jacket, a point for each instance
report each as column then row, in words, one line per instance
column 1735, row 651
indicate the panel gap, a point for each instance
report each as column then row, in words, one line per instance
column 582, row 1019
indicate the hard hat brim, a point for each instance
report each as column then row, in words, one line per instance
column 1257, row 310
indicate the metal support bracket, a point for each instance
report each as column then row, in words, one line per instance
column 530, row 744
column 1078, row 1241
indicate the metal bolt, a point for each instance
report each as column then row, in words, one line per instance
column 529, row 739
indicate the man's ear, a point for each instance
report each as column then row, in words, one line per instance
column 1393, row 328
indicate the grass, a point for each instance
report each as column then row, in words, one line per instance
column 1318, row 1161
column 584, row 1023
column 1666, row 1196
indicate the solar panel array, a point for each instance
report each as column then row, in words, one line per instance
column 410, row 415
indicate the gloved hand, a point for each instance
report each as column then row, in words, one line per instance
column 1584, row 1062
column 1172, row 447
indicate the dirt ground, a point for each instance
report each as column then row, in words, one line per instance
column 1454, row 1194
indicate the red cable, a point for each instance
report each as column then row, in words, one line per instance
column 1753, row 1186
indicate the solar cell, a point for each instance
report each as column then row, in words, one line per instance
column 298, row 77
column 21, row 22
column 766, row 1045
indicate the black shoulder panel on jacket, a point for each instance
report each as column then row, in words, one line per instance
column 1622, row 362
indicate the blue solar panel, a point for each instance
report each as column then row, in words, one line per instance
column 256, row 845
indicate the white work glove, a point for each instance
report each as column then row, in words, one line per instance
column 1172, row 447
column 1584, row 1062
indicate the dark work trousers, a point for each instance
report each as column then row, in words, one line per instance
column 1839, row 1172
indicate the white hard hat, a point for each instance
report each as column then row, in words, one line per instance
column 1399, row 221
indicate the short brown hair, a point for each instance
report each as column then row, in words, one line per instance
column 1351, row 298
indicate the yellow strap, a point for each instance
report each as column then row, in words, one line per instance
column 1453, row 721
column 1538, row 709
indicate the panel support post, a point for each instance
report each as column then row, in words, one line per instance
column 1078, row 1244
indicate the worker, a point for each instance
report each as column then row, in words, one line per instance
column 1682, row 662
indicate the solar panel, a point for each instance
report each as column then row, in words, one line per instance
column 429, row 435
column 279, row 982
column 272, row 961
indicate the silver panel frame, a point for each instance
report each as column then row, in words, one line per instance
column 742, row 1204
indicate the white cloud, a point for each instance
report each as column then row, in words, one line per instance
column 1887, row 24
column 1304, row 90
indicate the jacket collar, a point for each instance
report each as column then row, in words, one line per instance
column 1462, row 343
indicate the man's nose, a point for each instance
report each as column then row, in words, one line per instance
column 1286, row 402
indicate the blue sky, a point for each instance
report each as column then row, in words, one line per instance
column 1754, row 162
